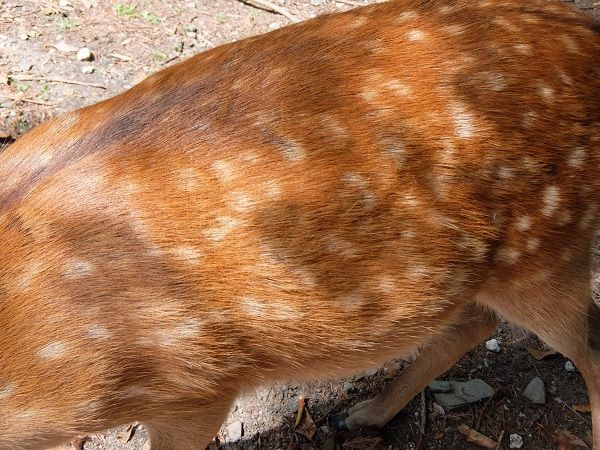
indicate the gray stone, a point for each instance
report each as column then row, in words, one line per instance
column 235, row 430
column 84, row 54
column 463, row 394
column 440, row 386
column 493, row 345
column 371, row 372
column 88, row 69
column 348, row 387
column 569, row 366
column 536, row 391
column 516, row 441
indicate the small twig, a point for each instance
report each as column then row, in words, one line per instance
column 478, row 421
column 30, row 100
column 55, row 80
column 422, row 422
column 272, row 7
column 351, row 3
column 500, row 440
column 172, row 58
column 562, row 402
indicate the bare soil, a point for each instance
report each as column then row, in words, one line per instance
column 40, row 77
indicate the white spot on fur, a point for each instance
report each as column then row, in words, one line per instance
column 188, row 179
column 406, row 16
column 463, row 120
column 358, row 182
column 524, row 223
column 550, row 200
column 357, row 22
column 386, row 284
column 454, row 30
column 305, row 277
column 225, row 226
column 411, row 200
column 241, row 201
column 173, row 336
column 292, row 151
column 53, row 350
column 570, row 43
column 272, row 189
column 6, row 390
column 398, row 88
column 508, row 255
column 505, row 172
column 418, row 272
column 529, row 119
column 340, row 246
column 533, row 244
column 187, row 254
column 495, row 81
column 588, row 217
column 253, row 307
column 97, row 332
column 334, row 126
column 577, row 157
column 523, row 49
column 547, row 93
column 395, row 149
column 78, row 268
column 352, row 300
column 446, row 9
column 26, row 278
column 415, row 35
column 223, row 171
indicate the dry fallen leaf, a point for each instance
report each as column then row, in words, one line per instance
column 539, row 355
column 564, row 440
column 475, row 437
column 77, row 443
column 304, row 423
column 64, row 47
column 584, row 408
column 126, row 434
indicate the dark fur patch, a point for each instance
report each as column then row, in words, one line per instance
column 594, row 327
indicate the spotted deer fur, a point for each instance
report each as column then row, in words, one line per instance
column 306, row 203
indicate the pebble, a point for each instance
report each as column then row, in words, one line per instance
column 293, row 404
column 493, row 345
column 348, row 387
column 235, row 430
column 88, row 69
column 274, row 25
column 317, row 2
column 569, row 366
column 536, row 391
column 84, row 54
column 371, row 372
column 516, row 441
column 438, row 410
column 462, row 394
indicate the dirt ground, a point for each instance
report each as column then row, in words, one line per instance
column 41, row 76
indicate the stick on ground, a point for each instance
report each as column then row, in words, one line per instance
column 272, row 7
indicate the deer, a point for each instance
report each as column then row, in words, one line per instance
column 302, row 205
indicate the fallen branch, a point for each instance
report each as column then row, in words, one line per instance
column 351, row 2
column 29, row 100
column 272, row 7
column 475, row 437
column 55, row 80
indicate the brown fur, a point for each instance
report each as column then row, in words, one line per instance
column 324, row 197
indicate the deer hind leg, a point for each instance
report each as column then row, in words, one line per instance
column 563, row 314
column 189, row 431
column 473, row 325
